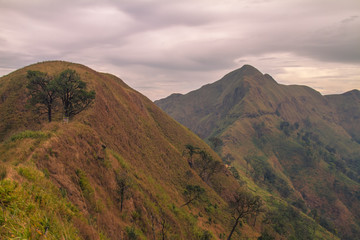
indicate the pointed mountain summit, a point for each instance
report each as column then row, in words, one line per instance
column 288, row 142
column 245, row 92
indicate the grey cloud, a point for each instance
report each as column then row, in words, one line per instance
column 165, row 13
column 338, row 44
column 349, row 19
column 168, row 42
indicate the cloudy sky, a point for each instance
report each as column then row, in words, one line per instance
column 160, row 47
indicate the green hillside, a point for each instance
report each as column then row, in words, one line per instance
column 286, row 142
column 116, row 171
column 347, row 106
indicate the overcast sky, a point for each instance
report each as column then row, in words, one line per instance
column 160, row 47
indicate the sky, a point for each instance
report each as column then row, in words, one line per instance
column 160, row 47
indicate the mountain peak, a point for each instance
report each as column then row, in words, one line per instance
column 247, row 67
column 245, row 70
column 352, row 92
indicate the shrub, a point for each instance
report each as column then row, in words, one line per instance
column 266, row 236
column 205, row 235
column 193, row 193
column 28, row 173
column 29, row 134
column 85, row 185
column 131, row 233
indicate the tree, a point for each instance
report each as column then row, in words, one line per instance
column 216, row 143
column 165, row 226
column 123, row 184
column 42, row 91
column 72, row 92
column 260, row 129
column 192, row 193
column 242, row 205
column 191, row 150
column 208, row 166
column 285, row 127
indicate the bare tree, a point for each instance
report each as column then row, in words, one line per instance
column 242, row 205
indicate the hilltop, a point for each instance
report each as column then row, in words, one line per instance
column 285, row 141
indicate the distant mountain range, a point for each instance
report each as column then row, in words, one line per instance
column 284, row 142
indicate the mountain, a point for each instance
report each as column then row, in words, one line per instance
column 117, row 170
column 347, row 105
column 286, row 142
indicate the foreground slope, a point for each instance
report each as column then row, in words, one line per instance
column 289, row 141
column 116, row 171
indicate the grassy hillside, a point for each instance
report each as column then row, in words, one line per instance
column 347, row 105
column 115, row 171
column 286, row 142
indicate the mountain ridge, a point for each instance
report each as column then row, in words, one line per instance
column 289, row 140
column 233, row 87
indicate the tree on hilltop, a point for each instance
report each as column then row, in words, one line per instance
column 42, row 91
column 72, row 92
column 45, row 90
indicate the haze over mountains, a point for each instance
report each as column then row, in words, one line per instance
column 123, row 169
column 289, row 140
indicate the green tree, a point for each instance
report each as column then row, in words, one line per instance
column 207, row 165
column 193, row 193
column 285, row 127
column 242, row 205
column 191, row 150
column 216, row 143
column 72, row 92
column 131, row 233
column 42, row 91
column 260, row 129
column 123, row 184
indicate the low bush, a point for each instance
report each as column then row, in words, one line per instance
column 29, row 134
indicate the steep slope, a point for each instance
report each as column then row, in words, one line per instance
column 347, row 106
column 290, row 141
column 116, row 171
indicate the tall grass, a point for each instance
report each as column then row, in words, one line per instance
column 35, row 209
